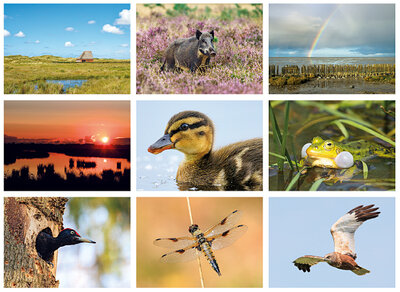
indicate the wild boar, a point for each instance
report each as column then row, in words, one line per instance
column 191, row 53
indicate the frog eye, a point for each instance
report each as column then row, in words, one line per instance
column 328, row 145
column 304, row 149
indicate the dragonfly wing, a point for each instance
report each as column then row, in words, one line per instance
column 227, row 238
column 175, row 242
column 225, row 224
column 181, row 255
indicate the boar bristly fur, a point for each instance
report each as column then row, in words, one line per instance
column 191, row 53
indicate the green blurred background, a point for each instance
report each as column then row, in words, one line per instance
column 105, row 220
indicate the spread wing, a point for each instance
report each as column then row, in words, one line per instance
column 226, row 223
column 181, row 255
column 304, row 263
column 227, row 238
column 184, row 249
column 343, row 230
column 175, row 242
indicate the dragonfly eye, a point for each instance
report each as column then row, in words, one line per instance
column 193, row 228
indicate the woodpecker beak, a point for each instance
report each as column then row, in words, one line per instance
column 161, row 144
column 82, row 239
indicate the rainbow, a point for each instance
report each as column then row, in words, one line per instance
column 321, row 30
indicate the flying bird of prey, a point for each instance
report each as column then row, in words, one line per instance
column 343, row 237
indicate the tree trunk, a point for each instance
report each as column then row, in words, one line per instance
column 24, row 218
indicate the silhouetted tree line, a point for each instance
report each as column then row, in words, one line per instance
column 48, row 180
column 14, row 151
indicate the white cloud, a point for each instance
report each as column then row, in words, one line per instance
column 69, row 28
column 68, row 44
column 124, row 17
column 112, row 29
column 124, row 45
column 20, row 34
column 6, row 33
column 91, row 21
column 32, row 42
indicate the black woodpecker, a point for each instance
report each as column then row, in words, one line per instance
column 46, row 244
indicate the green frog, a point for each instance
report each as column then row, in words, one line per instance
column 338, row 155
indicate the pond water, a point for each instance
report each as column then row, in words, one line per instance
column 306, row 122
column 68, row 83
column 63, row 163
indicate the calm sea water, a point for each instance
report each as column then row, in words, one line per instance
column 299, row 61
column 62, row 162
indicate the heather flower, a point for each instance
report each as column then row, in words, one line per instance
column 236, row 69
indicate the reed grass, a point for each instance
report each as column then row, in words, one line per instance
column 198, row 254
column 280, row 138
column 316, row 184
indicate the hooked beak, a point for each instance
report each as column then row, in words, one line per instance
column 164, row 143
column 82, row 239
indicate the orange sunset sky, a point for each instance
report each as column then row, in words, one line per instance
column 72, row 121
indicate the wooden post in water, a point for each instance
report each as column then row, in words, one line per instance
column 333, row 71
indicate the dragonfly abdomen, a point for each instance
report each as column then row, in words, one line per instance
column 206, row 248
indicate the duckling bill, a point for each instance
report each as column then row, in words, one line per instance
column 237, row 166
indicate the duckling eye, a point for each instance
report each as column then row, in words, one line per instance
column 184, row 127
column 201, row 133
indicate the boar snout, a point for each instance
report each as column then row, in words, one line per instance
column 212, row 53
column 208, row 52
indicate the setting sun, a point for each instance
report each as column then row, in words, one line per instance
column 104, row 140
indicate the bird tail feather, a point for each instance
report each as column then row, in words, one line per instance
column 360, row 271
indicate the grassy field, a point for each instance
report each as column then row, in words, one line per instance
column 28, row 75
column 237, row 67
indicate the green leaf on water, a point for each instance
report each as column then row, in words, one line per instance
column 316, row 185
column 365, row 169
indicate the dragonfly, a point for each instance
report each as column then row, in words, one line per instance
column 188, row 248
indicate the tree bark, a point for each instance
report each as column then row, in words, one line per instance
column 24, row 218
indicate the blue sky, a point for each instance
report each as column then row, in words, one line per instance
column 301, row 226
column 351, row 30
column 67, row 30
column 234, row 121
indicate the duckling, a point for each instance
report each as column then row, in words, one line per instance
column 237, row 166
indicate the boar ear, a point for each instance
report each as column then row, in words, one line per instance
column 198, row 34
column 212, row 33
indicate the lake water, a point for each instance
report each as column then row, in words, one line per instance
column 299, row 61
column 62, row 162
column 67, row 83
